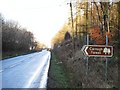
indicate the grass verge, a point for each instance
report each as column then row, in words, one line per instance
column 57, row 77
column 11, row 54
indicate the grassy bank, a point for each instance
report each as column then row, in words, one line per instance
column 11, row 54
column 57, row 76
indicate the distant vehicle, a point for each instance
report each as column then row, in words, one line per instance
column 49, row 49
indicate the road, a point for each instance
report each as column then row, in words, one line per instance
column 26, row 71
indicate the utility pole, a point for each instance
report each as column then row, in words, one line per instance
column 72, row 27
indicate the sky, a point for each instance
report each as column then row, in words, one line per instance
column 44, row 18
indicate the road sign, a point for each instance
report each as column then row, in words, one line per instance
column 98, row 50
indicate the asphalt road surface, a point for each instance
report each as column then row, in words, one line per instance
column 26, row 71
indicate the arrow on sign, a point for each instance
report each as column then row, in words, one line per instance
column 86, row 50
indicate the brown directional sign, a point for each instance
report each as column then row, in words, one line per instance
column 98, row 50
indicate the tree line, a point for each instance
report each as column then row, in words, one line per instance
column 97, row 19
column 16, row 38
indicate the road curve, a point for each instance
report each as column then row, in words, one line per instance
column 26, row 71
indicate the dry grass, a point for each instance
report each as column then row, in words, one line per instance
column 76, row 65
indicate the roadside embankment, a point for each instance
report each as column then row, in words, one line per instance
column 75, row 63
column 57, row 75
column 10, row 54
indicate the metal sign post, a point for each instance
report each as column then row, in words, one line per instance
column 87, row 56
column 106, row 64
column 98, row 51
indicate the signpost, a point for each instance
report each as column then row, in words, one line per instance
column 98, row 50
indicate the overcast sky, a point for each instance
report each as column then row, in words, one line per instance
column 42, row 17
